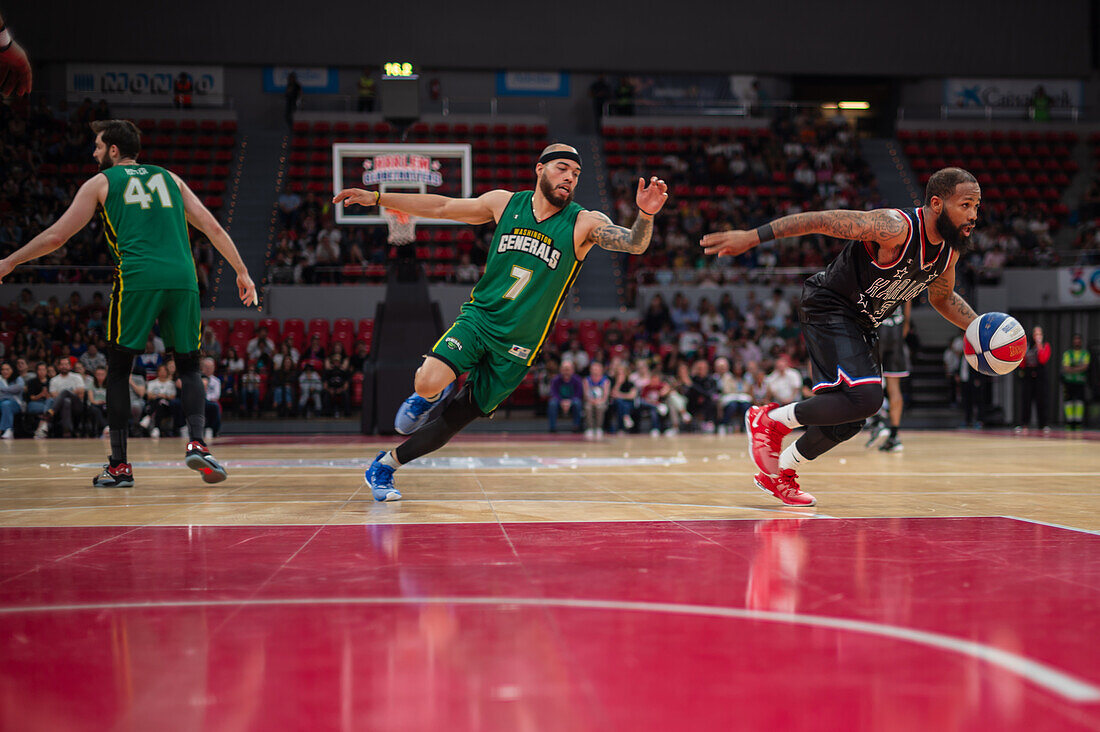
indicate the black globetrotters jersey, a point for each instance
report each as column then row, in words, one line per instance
column 867, row 291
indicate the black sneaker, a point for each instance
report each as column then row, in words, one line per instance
column 200, row 459
column 892, row 444
column 115, row 476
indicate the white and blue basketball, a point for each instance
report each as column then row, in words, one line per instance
column 995, row 344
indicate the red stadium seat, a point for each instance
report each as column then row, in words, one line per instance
column 244, row 326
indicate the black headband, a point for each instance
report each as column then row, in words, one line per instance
column 560, row 154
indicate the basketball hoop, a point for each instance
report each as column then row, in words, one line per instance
column 402, row 227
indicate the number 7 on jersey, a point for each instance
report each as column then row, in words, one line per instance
column 523, row 276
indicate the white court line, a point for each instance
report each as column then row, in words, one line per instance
column 557, row 473
column 1055, row 681
column 1056, row 526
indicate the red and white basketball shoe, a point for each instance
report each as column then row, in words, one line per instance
column 765, row 437
column 784, row 487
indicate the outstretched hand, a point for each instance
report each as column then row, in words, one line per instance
column 355, row 196
column 729, row 243
column 15, row 72
column 651, row 197
column 5, row 269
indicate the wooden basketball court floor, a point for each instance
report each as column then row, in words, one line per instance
column 533, row 583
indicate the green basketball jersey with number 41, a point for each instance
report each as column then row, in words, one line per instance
column 146, row 229
column 531, row 266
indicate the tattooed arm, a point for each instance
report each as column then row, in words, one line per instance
column 947, row 302
column 596, row 229
column 607, row 235
column 885, row 226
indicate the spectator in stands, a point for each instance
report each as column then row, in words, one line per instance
column 359, row 359
column 11, row 400
column 600, row 93
column 652, row 396
column 160, row 403
column 784, row 383
column 624, row 394
column 249, row 403
column 702, row 396
column 1075, row 370
column 289, row 205
column 97, row 400
column 293, row 97
column 309, row 390
column 566, row 397
column 733, row 395
column 67, row 392
column 93, row 359
column 232, row 367
column 466, row 271
column 657, row 316
column 287, row 352
column 365, row 90
column 283, row 379
column 577, row 356
column 597, row 392
column 682, row 313
column 314, row 351
column 148, row 362
column 182, row 89
column 624, row 97
column 337, row 393
column 758, row 386
column 260, row 344
column 1040, row 105
column 38, row 399
column 692, row 342
column 213, row 388
column 211, row 346
column 137, row 385
column 338, row 356
column 1034, row 382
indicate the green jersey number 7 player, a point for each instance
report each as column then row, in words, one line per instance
column 541, row 240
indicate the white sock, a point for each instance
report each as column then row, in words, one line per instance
column 785, row 415
column 791, row 458
column 390, row 461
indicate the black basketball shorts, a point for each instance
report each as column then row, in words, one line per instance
column 842, row 353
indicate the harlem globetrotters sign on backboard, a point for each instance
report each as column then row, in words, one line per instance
column 402, row 168
column 443, row 169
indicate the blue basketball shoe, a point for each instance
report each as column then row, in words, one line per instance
column 380, row 479
column 413, row 412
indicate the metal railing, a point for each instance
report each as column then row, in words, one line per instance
column 990, row 113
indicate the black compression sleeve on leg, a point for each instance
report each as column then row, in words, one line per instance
column 119, row 364
column 848, row 404
column 193, row 396
column 815, row 443
column 437, row 433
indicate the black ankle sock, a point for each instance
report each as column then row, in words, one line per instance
column 893, row 432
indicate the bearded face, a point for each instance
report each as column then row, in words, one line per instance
column 951, row 233
column 555, row 196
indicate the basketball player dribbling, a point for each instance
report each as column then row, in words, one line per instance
column 892, row 255
column 541, row 240
column 145, row 211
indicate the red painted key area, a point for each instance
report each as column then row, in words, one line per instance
column 779, row 624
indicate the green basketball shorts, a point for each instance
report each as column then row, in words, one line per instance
column 132, row 314
column 492, row 374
